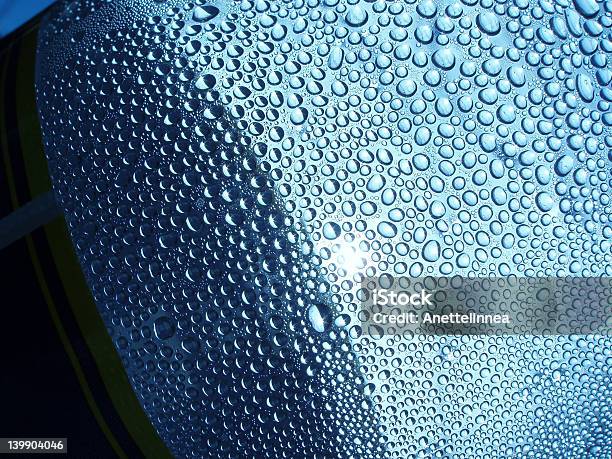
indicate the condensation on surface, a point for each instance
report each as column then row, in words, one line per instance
column 231, row 170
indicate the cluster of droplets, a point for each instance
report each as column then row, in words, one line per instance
column 231, row 170
column 492, row 397
column 194, row 266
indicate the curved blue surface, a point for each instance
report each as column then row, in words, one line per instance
column 230, row 171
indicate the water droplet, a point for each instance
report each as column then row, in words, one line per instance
column 356, row 16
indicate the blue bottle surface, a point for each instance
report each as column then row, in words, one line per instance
column 231, row 170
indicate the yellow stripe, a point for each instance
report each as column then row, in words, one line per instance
column 43, row 285
column 69, row 269
column 28, row 122
column 70, row 351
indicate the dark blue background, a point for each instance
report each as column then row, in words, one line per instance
column 14, row 13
